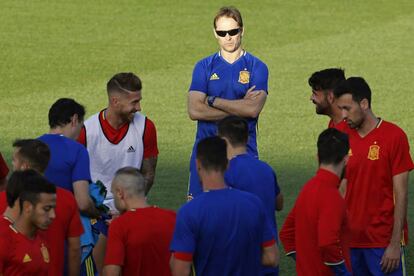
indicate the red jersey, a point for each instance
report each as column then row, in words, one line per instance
column 20, row 255
column 341, row 126
column 66, row 224
column 139, row 241
column 316, row 229
column 4, row 170
column 116, row 135
column 373, row 161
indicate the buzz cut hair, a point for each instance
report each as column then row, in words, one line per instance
column 131, row 179
column 230, row 12
column 124, row 83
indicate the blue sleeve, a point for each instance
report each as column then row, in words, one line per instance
column 199, row 81
column 81, row 170
column 184, row 233
column 260, row 76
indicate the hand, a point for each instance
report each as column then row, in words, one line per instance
column 251, row 94
column 113, row 215
column 391, row 258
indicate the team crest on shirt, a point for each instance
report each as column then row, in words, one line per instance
column 45, row 253
column 26, row 258
column 374, row 152
column 244, row 77
column 214, row 77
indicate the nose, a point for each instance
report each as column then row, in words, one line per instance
column 138, row 107
column 52, row 214
column 344, row 114
column 311, row 97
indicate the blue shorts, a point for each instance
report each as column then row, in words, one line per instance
column 366, row 262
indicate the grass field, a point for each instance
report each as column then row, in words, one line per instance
column 52, row 49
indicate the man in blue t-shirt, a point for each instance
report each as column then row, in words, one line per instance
column 230, row 82
column 223, row 231
column 68, row 167
column 249, row 174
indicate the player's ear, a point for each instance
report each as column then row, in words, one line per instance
column 215, row 35
column 330, row 96
column 74, row 120
column 364, row 104
column 27, row 207
column 242, row 31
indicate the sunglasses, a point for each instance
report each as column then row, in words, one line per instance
column 232, row 32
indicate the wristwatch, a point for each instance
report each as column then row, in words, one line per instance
column 210, row 100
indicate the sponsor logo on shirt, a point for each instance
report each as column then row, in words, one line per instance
column 131, row 149
column 244, row 77
column 374, row 152
column 27, row 258
column 214, row 77
column 45, row 253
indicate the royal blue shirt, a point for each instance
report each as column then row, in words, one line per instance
column 249, row 174
column 214, row 76
column 69, row 161
column 224, row 230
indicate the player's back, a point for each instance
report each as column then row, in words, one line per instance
column 68, row 159
column 249, row 174
column 230, row 226
column 142, row 236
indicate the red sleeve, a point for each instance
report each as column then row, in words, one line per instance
column 287, row 233
column 4, row 170
column 331, row 220
column 75, row 225
column 4, row 245
column 150, row 140
column 82, row 136
column 115, row 247
column 400, row 155
column 182, row 256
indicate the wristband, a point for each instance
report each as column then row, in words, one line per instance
column 210, row 100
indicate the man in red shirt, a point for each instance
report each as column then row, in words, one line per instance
column 139, row 239
column 4, row 171
column 315, row 231
column 34, row 154
column 323, row 83
column 119, row 136
column 23, row 250
column 377, row 183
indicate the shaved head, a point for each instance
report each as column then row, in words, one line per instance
column 130, row 180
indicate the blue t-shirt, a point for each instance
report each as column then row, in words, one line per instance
column 69, row 161
column 249, row 174
column 214, row 76
column 224, row 230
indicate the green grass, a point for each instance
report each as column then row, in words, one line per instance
column 71, row 48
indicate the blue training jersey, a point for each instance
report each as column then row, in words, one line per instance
column 224, row 230
column 69, row 161
column 249, row 174
column 214, row 76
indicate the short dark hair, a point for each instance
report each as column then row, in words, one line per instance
column 35, row 152
column 33, row 186
column 235, row 129
column 212, row 154
column 333, row 146
column 230, row 12
column 15, row 185
column 326, row 79
column 124, row 82
column 62, row 111
column 357, row 87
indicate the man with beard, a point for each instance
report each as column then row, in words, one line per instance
column 117, row 137
column 23, row 250
column 377, row 183
column 315, row 231
column 323, row 83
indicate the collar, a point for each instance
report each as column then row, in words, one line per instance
column 328, row 177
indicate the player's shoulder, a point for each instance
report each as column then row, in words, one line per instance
column 209, row 60
column 93, row 118
column 65, row 198
column 255, row 60
column 391, row 128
